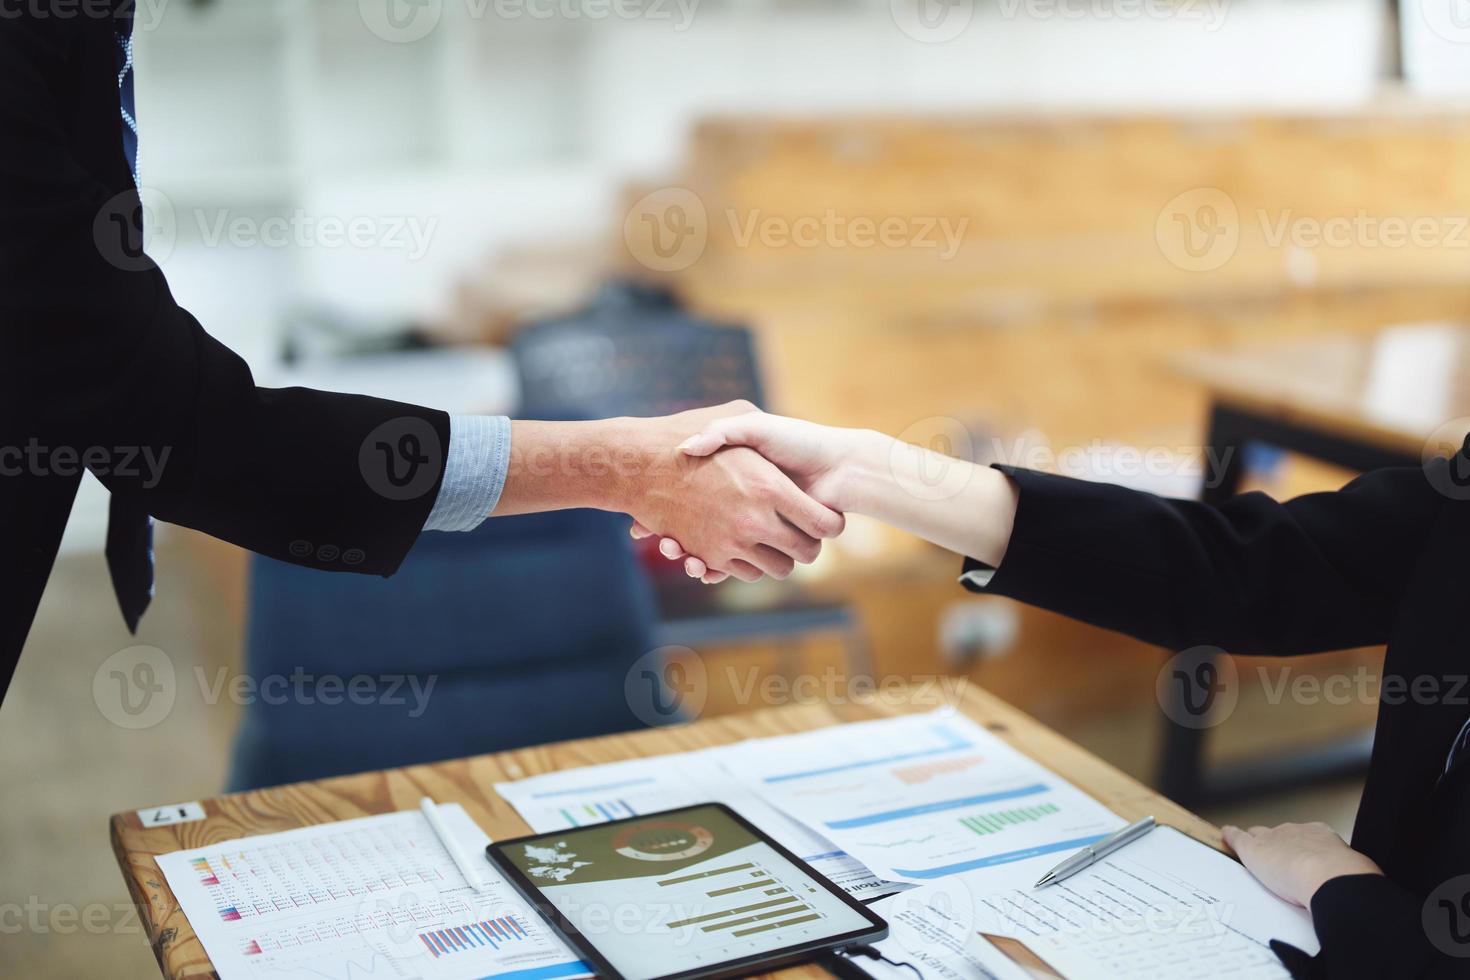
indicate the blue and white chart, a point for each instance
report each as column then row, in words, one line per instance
column 597, row 794
column 922, row 796
column 377, row 897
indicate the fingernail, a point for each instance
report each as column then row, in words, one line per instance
column 666, row 547
column 688, row 444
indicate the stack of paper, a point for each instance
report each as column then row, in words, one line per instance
column 361, row 899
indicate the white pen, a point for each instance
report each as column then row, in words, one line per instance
column 470, row 871
column 1090, row 854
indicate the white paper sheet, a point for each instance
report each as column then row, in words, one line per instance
column 362, row 899
column 1163, row 906
column 937, row 938
column 922, row 796
column 596, row 794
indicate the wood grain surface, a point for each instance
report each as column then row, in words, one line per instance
column 470, row 782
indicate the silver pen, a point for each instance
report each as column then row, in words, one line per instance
column 1090, row 854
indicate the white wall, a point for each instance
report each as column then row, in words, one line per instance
column 496, row 126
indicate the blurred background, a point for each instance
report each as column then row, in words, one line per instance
column 1192, row 246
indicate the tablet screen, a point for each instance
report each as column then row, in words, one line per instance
column 683, row 891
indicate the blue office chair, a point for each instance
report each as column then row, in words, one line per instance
column 527, row 627
column 632, row 351
column 635, row 351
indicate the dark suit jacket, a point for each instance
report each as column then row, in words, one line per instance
column 98, row 364
column 1384, row 560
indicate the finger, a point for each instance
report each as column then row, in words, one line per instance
column 1258, row 830
column 798, row 544
column 670, row 549
column 694, row 567
column 639, row 531
column 736, row 430
column 806, row 514
column 714, row 578
column 1234, row 838
column 774, row 563
column 744, row 571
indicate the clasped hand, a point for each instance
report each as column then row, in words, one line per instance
column 765, row 491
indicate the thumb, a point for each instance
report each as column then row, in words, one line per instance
column 735, row 430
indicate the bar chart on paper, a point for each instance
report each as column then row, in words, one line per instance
column 637, row 787
column 360, row 900
column 922, row 796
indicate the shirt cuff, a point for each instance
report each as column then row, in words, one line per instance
column 474, row 473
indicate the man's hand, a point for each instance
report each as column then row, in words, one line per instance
column 1296, row 859
column 740, row 513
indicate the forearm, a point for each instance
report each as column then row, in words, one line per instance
column 562, row 465
column 955, row 504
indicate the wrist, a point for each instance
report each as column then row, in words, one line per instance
column 560, row 465
column 861, row 474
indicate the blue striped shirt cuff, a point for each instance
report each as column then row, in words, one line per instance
column 474, row 473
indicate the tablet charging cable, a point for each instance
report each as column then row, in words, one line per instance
column 870, row 952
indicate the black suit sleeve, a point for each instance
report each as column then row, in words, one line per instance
column 1373, row 929
column 1253, row 576
column 96, row 357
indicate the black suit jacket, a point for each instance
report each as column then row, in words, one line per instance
column 1384, row 560
column 99, row 365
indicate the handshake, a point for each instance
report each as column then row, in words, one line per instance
column 733, row 491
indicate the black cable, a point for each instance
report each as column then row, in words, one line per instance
column 873, row 954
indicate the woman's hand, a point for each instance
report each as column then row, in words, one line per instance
column 954, row 503
column 1296, row 859
column 817, row 458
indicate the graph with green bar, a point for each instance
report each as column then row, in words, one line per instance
column 998, row 820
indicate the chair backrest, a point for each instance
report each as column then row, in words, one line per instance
column 520, row 632
column 633, row 351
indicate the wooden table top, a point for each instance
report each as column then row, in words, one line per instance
column 1395, row 388
column 470, row 782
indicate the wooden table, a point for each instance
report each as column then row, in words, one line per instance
column 470, row 782
column 1361, row 401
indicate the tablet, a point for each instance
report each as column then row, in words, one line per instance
column 693, row 892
